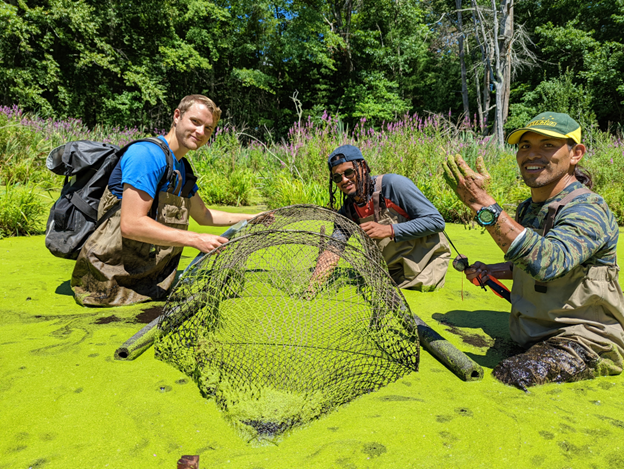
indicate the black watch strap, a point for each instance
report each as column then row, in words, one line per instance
column 488, row 216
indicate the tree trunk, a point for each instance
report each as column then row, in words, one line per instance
column 462, row 61
column 498, row 79
column 479, row 102
column 344, row 27
column 486, row 61
column 507, row 22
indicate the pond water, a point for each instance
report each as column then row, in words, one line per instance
column 64, row 401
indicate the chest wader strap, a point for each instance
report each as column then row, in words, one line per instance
column 108, row 214
column 549, row 221
column 376, row 199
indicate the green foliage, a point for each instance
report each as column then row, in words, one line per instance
column 377, row 100
column 559, row 94
column 129, row 63
column 236, row 189
column 585, row 39
column 236, row 170
column 281, row 190
column 605, row 161
column 21, row 211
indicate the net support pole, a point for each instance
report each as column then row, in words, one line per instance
column 138, row 343
column 446, row 353
column 142, row 340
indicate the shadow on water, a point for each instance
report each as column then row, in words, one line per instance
column 64, row 289
column 147, row 315
column 494, row 323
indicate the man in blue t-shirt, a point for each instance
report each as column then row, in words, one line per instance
column 134, row 254
column 141, row 168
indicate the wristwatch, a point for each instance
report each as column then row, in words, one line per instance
column 487, row 216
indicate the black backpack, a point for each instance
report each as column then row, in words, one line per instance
column 87, row 166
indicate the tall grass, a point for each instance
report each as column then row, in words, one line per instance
column 25, row 141
column 295, row 171
column 237, row 169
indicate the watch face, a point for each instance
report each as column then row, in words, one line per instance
column 486, row 217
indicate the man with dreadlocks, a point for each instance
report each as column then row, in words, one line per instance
column 392, row 211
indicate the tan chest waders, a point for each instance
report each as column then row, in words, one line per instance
column 114, row 271
column 418, row 264
column 585, row 305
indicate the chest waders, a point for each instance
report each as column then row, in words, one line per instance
column 417, row 264
column 586, row 305
column 114, row 271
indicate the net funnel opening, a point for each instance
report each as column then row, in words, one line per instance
column 246, row 326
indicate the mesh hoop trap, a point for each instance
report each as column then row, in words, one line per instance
column 279, row 341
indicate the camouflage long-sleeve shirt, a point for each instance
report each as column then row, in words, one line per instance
column 585, row 232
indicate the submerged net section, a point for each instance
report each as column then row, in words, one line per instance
column 279, row 341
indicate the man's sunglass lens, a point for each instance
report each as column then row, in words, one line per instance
column 337, row 177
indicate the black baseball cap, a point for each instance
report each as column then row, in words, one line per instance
column 348, row 153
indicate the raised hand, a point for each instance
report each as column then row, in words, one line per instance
column 470, row 186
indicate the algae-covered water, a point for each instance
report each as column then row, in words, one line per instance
column 64, row 401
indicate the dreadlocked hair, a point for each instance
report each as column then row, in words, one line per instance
column 364, row 184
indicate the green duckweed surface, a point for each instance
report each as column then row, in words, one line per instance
column 64, row 401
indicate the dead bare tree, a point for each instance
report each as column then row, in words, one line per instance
column 298, row 105
column 462, row 61
column 504, row 48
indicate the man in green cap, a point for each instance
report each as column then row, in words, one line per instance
column 567, row 305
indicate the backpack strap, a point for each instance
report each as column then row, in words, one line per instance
column 377, row 197
column 169, row 176
column 553, row 209
column 82, row 205
column 190, row 177
column 108, row 214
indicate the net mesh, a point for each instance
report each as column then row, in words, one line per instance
column 284, row 322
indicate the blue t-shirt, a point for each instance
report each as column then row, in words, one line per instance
column 142, row 166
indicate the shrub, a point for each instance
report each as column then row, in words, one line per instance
column 21, row 211
column 283, row 190
column 237, row 189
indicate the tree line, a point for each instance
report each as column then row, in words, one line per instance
column 269, row 63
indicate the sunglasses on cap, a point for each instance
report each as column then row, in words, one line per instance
column 337, row 177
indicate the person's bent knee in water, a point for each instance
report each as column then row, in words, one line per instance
column 567, row 304
column 133, row 255
column 392, row 211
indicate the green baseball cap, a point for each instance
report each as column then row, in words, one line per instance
column 552, row 124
